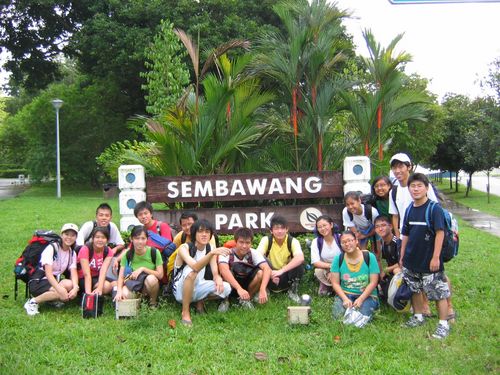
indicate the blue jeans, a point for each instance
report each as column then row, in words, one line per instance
column 368, row 306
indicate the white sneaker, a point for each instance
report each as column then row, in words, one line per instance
column 224, row 306
column 246, row 304
column 31, row 307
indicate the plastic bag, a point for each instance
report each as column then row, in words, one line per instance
column 354, row 317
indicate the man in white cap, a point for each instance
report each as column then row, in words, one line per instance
column 400, row 197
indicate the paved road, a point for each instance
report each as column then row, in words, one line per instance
column 478, row 220
column 479, row 183
column 10, row 187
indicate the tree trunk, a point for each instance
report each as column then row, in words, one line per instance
column 469, row 185
column 456, row 181
column 451, row 181
column 488, row 186
column 320, row 153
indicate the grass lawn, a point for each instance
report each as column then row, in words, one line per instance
column 476, row 199
column 60, row 341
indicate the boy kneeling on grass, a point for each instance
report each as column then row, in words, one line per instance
column 423, row 268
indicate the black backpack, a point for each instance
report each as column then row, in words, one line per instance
column 87, row 239
column 184, row 238
column 91, row 253
column 336, row 236
column 192, row 254
column 366, row 257
column 270, row 244
column 130, row 255
column 368, row 212
column 28, row 263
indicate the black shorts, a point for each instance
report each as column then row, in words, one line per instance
column 245, row 280
column 39, row 286
column 81, row 283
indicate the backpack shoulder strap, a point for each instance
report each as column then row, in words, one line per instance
column 428, row 215
column 183, row 238
column 341, row 259
column 289, row 244
column 368, row 212
column 91, row 250
column 106, row 252
column 94, row 225
column 366, row 257
column 269, row 243
column 394, row 193
column 158, row 224
column 351, row 216
column 153, row 255
column 129, row 256
column 336, row 236
column 320, row 241
column 192, row 250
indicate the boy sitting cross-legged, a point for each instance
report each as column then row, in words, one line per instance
column 196, row 276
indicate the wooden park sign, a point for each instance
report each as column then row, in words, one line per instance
column 268, row 189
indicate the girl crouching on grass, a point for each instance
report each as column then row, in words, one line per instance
column 354, row 280
column 323, row 249
column 94, row 259
column 46, row 284
column 141, row 269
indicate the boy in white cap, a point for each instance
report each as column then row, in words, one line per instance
column 400, row 198
column 46, row 284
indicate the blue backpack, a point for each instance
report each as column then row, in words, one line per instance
column 163, row 244
column 451, row 240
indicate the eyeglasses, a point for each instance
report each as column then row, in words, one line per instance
column 381, row 225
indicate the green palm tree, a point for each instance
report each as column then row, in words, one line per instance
column 383, row 101
column 299, row 61
column 205, row 140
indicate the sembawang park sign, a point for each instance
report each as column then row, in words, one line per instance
column 244, row 200
column 250, row 200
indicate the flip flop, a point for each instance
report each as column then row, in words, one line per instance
column 186, row 322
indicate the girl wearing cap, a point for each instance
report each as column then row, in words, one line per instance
column 47, row 284
column 94, row 259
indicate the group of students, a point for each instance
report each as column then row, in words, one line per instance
column 393, row 222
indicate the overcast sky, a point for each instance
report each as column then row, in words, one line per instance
column 451, row 44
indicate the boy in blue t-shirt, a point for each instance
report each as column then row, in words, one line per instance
column 421, row 259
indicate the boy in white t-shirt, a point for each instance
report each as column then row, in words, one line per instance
column 246, row 270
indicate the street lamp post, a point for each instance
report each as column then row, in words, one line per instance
column 57, row 103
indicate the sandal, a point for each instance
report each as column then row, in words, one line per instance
column 187, row 323
column 452, row 317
